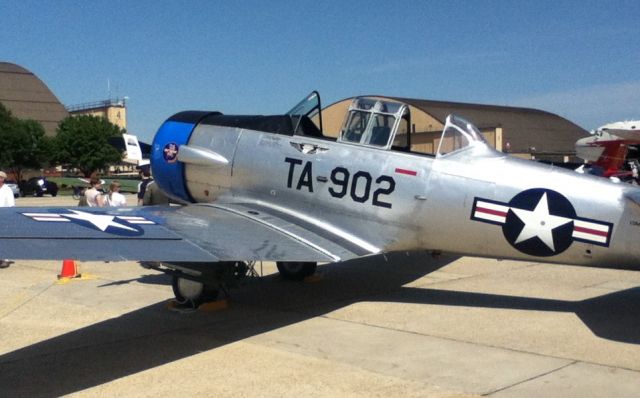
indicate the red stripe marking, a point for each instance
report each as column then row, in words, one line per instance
column 407, row 172
column 491, row 211
column 591, row 231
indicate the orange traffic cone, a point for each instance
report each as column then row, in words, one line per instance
column 69, row 269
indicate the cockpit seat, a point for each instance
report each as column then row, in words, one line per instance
column 380, row 135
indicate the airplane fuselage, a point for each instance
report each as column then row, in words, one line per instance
column 474, row 202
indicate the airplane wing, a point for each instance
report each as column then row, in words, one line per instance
column 194, row 233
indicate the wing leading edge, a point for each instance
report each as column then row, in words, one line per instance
column 197, row 233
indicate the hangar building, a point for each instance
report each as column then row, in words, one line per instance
column 27, row 97
column 523, row 132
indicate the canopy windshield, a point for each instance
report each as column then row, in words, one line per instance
column 374, row 122
column 310, row 108
column 459, row 134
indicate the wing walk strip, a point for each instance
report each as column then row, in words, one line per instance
column 323, row 229
column 326, row 242
column 338, row 237
column 281, row 230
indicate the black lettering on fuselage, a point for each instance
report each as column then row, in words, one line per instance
column 292, row 165
column 355, row 182
column 340, row 178
column 306, row 178
column 358, row 185
column 391, row 186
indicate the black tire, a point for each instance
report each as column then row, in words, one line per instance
column 192, row 293
column 54, row 194
column 296, row 270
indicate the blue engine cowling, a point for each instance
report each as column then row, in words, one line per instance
column 167, row 171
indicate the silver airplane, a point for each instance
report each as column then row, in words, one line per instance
column 274, row 188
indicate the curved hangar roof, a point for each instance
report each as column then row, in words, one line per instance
column 522, row 128
column 27, row 97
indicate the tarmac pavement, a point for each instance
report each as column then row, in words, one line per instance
column 402, row 325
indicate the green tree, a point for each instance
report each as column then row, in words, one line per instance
column 82, row 142
column 6, row 118
column 23, row 142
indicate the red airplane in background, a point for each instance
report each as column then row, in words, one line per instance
column 607, row 149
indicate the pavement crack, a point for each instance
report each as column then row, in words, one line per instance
column 22, row 303
column 531, row 378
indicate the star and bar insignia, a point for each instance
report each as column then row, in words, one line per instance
column 119, row 225
column 541, row 222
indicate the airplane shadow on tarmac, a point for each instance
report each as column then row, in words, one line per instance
column 152, row 336
column 612, row 316
column 149, row 279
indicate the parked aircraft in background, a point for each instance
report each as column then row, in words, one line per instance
column 276, row 188
column 133, row 151
column 607, row 148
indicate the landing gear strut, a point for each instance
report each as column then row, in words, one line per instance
column 296, row 270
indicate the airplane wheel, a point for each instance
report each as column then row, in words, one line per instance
column 189, row 292
column 296, row 270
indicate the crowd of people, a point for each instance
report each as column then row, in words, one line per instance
column 95, row 196
column 148, row 193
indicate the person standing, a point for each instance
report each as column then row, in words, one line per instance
column 145, row 174
column 94, row 195
column 6, row 200
column 153, row 195
column 6, row 194
column 115, row 198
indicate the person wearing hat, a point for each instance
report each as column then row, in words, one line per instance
column 6, row 200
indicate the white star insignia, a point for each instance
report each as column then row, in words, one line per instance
column 100, row 221
column 539, row 223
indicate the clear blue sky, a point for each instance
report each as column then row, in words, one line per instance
column 579, row 59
